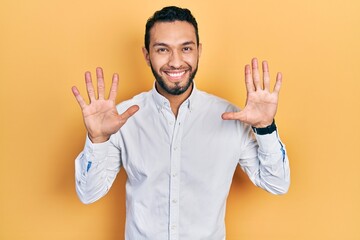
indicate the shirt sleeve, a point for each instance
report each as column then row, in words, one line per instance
column 95, row 170
column 265, row 161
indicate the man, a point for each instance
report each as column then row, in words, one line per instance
column 178, row 145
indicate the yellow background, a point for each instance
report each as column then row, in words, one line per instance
column 46, row 46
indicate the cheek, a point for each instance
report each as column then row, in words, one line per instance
column 158, row 62
column 192, row 60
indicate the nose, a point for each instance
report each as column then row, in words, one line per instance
column 175, row 59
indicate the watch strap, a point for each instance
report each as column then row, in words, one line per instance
column 266, row 130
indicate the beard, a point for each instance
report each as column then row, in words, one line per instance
column 177, row 90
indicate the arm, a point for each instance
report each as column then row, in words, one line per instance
column 264, row 157
column 97, row 166
column 265, row 161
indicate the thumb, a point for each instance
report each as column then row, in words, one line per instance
column 128, row 113
column 233, row 116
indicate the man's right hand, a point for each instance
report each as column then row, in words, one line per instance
column 100, row 115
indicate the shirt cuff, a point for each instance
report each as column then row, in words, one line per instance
column 269, row 143
column 96, row 150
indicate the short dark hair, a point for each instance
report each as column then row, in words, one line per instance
column 170, row 14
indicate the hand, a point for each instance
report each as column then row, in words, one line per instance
column 100, row 115
column 261, row 104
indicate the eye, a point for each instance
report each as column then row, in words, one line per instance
column 162, row 50
column 187, row 49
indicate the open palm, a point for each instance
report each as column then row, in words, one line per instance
column 261, row 104
column 100, row 115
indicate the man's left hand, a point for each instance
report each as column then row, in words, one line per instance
column 261, row 104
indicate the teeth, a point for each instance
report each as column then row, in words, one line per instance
column 176, row 74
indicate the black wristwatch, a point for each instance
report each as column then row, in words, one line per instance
column 266, row 130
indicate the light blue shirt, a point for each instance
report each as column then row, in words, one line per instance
column 180, row 169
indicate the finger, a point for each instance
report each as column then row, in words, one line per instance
column 248, row 79
column 233, row 116
column 128, row 113
column 78, row 97
column 114, row 87
column 89, row 86
column 278, row 83
column 255, row 73
column 266, row 75
column 100, row 83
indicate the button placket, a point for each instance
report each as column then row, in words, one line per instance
column 175, row 166
column 174, row 188
column 175, row 181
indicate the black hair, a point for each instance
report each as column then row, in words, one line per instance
column 170, row 14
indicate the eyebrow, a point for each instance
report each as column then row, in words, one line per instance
column 188, row 43
column 166, row 45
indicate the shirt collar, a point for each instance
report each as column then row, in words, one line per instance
column 161, row 101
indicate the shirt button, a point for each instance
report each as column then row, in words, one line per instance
column 171, row 123
column 174, row 175
column 173, row 227
column 174, row 201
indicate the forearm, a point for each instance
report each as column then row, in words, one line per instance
column 268, row 166
column 95, row 170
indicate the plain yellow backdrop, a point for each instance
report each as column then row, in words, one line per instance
column 46, row 46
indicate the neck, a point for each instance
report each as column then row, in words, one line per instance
column 175, row 100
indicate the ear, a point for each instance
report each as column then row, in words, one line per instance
column 200, row 49
column 146, row 56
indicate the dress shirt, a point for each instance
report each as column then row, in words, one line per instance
column 179, row 169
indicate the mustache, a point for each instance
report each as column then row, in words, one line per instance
column 176, row 69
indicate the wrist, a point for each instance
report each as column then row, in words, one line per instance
column 100, row 139
column 265, row 130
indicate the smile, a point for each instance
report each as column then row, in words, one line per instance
column 175, row 74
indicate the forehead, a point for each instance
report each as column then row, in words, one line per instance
column 172, row 33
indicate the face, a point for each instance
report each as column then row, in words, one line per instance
column 173, row 56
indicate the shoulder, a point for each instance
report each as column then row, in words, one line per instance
column 140, row 99
column 209, row 100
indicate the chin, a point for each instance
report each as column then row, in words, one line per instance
column 178, row 89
